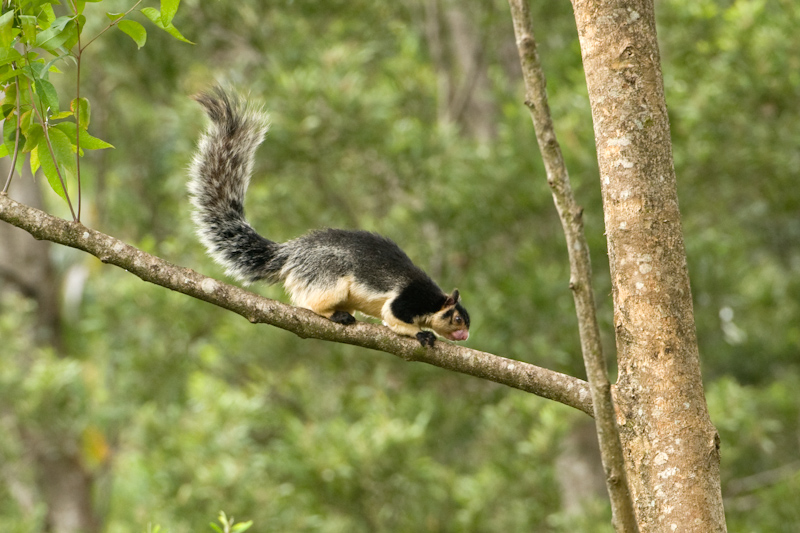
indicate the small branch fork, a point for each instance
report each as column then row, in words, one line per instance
column 580, row 269
column 562, row 388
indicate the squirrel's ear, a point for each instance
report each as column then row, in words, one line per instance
column 452, row 299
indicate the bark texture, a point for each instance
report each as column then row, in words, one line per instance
column 571, row 215
column 257, row 309
column 671, row 447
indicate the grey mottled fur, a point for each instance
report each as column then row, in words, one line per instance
column 220, row 173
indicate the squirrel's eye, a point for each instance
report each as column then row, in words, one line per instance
column 458, row 319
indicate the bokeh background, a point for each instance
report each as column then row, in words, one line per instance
column 405, row 118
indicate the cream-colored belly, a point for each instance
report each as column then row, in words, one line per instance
column 344, row 295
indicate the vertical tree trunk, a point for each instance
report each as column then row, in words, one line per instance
column 671, row 447
column 458, row 48
column 25, row 265
column 62, row 482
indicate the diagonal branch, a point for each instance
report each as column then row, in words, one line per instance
column 580, row 269
column 305, row 324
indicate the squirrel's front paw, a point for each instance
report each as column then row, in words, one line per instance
column 343, row 317
column 426, row 338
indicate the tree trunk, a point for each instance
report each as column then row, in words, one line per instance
column 579, row 469
column 62, row 482
column 671, row 447
column 26, row 267
column 458, row 48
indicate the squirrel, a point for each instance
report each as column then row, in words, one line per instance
column 332, row 272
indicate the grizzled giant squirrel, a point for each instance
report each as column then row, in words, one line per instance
column 332, row 272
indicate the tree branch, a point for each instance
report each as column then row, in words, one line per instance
column 580, row 282
column 757, row 481
column 305, row 324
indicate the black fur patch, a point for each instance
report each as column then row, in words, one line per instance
column 419, row 298
column 343, row 317
column 463, row 312
column 426, row 338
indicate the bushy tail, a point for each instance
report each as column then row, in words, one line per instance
column 220, row 173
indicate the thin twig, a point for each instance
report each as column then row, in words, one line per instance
column 624, row 517
column 767, row 478
column 16, row 138
column 110, row 25
column 77, row 110
column 45, row 128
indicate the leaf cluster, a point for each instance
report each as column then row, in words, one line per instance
column 35, row 41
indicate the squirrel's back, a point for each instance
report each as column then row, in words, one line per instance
column 376, row 261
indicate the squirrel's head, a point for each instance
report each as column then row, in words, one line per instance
column 452, row 320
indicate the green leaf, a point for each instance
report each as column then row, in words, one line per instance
column 6, row 73
column 84, row 111
column 47, row 16
column 155, row 17
column 28, row 23
column 87, row 142
column 134, row 30
column 9, row 106
column 32, row 137
column 35, row 160
column 61, row 22
column 242, row 526
column 64, row 151
column 64, row 158
column 34, row 66
column 56, row 35
column 9, row 134
column 168, row 10
column 74, row 28
column 9, row 129
column 26, row 122
column 59, row 116
column 3, row 151
column 115, row 16
column 10, row 96
column 93, row 143
column 7, row 55
column 69, row 129
column 7, row 30
column 47, row 94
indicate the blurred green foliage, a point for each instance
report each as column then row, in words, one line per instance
column 180, row 409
